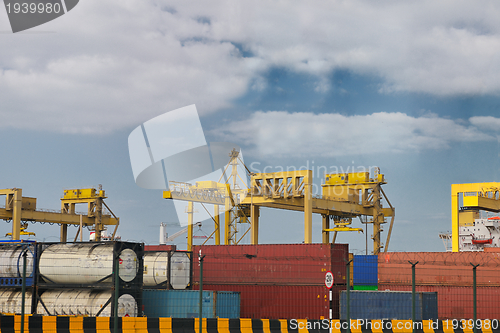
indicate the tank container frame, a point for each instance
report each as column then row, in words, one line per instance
column 167, row 284
column 17, row 281
column 133, row 287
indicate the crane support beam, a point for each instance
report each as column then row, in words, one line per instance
column 217, row 224
column 190, row 225
column 19, row 208
column 17, row 214
column 325, row 219
column 488, row 204
column 308, row 207
column 318, row 206
column 254, row 220
column 58, row 218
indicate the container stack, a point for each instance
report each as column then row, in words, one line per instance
column 450, row 274
column 11, row 273
column 81, row 279
column 167, row 280
column 278, row 281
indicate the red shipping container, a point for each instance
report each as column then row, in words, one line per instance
column 283, row 302
column 439, row 268
column 160, row 248
column 272, row 264
column 455, row 302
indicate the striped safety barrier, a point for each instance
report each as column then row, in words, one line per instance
column 73, row 324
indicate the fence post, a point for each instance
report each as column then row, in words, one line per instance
column 117, row 293
column 474, row 297
column 23, row 300
column 348, row 302
column 200, row 258
column 413, row 294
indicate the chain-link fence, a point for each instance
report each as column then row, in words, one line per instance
column 249, row 281
column 451, row 276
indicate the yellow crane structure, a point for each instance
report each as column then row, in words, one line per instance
column 344, row 196
column 475, row 197
column 19, row 208
column 218, row 194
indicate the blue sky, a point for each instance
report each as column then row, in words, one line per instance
column 409, row 87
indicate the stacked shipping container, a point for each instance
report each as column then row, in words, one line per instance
column 389, row 305
column 439, row 268
column 283, row 302
column 278, row 281
column 450, row 275
column 185, row 304
column 365, row 272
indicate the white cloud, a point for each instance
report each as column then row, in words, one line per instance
column 442, row 48
column 487, row 123
column 113, row 64
column 279, row 133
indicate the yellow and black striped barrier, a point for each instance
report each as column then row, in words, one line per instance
column 73, row 324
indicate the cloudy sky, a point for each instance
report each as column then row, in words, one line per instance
column 411, row 87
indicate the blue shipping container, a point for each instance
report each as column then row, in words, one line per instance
column 365, row 270
column 389, row 305
column 227, row 304
column 177, row 303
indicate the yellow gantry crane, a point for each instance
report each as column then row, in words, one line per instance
column 344, row 196
column 227, row 195
column 19, row 208
column 475, row 197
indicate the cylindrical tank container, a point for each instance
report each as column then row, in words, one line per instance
column 11, row 301
column 85, row 263
column 156, row 269
column 11, row 261
column 180, row 271
column 85, row 302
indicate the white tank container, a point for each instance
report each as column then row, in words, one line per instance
column 11, row 301
column 11, row 261
column 84, row 302
column 180, row 271
column 156, row 269
column 85, row 263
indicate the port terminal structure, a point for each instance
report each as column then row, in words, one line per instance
column 344, row 196
column 19, row 208
column 474, row 197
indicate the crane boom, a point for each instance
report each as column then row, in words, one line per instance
column 180, row 232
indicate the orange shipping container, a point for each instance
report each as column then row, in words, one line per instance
column 283, row 302
column 439, row 268
column 492, row 249
column 272, row 264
